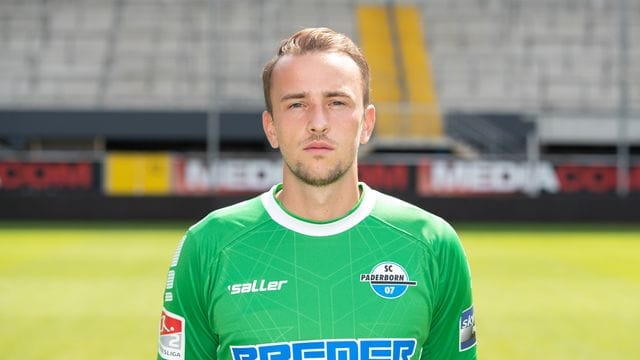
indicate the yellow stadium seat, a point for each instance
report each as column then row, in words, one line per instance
column 403, row 89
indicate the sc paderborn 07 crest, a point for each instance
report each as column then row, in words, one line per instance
column 388, row 280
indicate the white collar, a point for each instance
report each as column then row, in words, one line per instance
column 306, row 227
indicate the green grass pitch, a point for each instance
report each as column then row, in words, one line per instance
column 94, row 290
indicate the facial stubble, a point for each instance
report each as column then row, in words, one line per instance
column 303, row 174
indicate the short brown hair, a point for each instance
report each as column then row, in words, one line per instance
column 316, row 40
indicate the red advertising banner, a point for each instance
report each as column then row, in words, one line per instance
column 191, row 175
column 41, row 176
column 634, row 179
column 587, row 178
column 386, row 177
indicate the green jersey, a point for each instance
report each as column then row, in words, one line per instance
column 388, row 281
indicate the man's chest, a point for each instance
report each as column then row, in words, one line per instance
column 284, row 288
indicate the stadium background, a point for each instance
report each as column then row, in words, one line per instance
column 489, row 110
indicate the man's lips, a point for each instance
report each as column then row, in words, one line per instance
column 318, row 146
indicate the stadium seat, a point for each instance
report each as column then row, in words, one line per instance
column 402, row 87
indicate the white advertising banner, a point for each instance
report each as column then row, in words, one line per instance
column 192, row 175
column 443, row 177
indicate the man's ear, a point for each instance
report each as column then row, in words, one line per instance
column 368, row 122
column 269, row 129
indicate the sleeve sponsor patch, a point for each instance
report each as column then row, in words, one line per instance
column 171, row 339
column 467, row 329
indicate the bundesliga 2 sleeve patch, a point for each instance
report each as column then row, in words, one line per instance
column 171, row 339
column 467, row 329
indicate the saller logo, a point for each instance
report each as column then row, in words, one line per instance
column 256, row 286
column 343, row 349
column 171, row 339
column 388, row 280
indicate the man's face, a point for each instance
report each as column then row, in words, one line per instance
column 318, row 119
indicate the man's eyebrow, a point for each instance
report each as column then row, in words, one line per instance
column 336, row 94
column 300, row 95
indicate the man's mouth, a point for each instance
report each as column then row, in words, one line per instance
column 318, row 146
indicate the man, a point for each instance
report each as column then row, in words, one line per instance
column 320, row 266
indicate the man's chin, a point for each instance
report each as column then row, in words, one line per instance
column 319, row 180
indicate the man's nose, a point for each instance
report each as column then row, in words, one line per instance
column 318, row 123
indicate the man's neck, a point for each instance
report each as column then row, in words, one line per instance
column 320, row 203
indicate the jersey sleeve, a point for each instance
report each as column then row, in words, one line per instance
column 185, row 329
column 452, row 333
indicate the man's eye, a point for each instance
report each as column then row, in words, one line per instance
column 294, row 105
column 337, row 103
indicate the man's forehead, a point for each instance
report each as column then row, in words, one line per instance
column 338, row 61
column 331, row 74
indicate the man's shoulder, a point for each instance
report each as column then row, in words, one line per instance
column 393, row 208
column 410, row 218
column 233, row 219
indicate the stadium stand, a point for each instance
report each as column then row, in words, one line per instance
column 546, row 58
